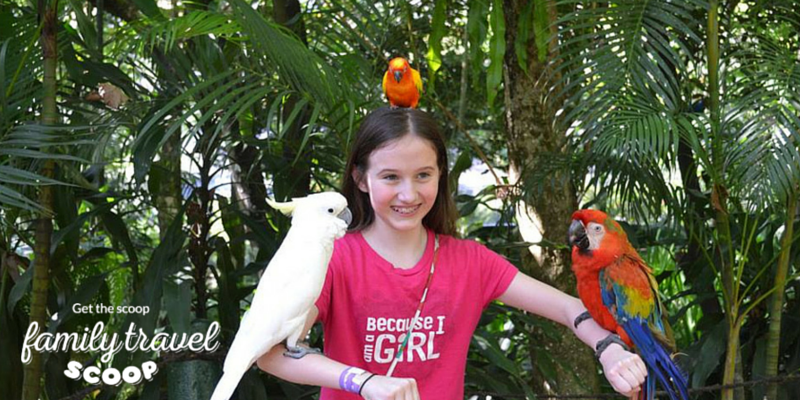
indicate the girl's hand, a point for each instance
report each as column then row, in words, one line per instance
column 381, row 387
column 624, row 370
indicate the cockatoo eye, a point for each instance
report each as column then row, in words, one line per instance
column 330, row 211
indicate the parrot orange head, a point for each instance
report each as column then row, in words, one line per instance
column 596, row 239
column 399, row 68
column 402, row 84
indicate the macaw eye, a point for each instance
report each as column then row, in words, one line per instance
column 330, row 211
column 598, row 228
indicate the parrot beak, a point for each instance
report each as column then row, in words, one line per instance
column 577, row 235
column 398, row 76
column 346, row 216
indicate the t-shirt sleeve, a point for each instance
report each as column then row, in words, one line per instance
column 496, row 274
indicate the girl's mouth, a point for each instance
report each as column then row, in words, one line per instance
column 405, row 210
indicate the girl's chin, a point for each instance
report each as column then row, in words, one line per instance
column 403, row 224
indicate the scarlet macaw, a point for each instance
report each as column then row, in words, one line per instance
column 621, row 294
column 402, row 84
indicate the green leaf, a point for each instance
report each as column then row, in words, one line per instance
column 83, row 295
column 438, row 31
column 74, row 227
column 317, row 80
column 525, row 30
column 178, row 302
column 10, row 197
column 149, row 141
column 233, row 227
column 20, row 288
column 195, row 23
column 463, row 163
column 26, row 153
column 491, row 350
column 541, row 28
column 149, row 8
column 22, row 177
column 497, row 51
column 167, row 258
column 710, row 353
column 477, row 27
column 118, row 230
column 228, row 298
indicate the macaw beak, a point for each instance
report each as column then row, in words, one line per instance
column 398, row 76
column 577, row 235
column 346, row 216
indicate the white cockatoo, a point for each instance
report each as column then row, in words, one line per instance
column 289, row 286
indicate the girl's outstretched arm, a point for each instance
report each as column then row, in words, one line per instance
column 624, row 370
column 318, row 370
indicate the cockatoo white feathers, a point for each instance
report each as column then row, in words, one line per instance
column 289, row 286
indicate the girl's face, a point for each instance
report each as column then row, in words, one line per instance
column 402, row 181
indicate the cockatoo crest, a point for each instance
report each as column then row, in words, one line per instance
column 286, row 208
column 316, row 207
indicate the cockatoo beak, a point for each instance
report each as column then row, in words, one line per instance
column 346, row 216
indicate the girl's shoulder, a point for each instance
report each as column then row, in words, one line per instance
column 464, row 246
column 350, row 241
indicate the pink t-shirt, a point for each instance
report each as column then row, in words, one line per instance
column 366, row 306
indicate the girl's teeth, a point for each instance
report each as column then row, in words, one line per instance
column 405, row 210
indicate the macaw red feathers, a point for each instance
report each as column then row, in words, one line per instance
column 402, row 84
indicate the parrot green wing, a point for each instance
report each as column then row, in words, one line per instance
column 385, row 80
column 416, row 77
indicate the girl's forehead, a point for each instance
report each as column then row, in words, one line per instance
column 408, row 151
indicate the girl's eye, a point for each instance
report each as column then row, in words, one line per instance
column 424, row 175
column 390, row 177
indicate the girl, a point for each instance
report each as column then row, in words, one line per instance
column 400, row 245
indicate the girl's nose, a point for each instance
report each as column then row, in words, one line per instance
column 408, row 192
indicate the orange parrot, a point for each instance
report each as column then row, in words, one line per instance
column 402, row 84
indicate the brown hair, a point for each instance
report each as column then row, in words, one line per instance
column 378, row 129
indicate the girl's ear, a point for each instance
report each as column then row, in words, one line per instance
column 359, row 182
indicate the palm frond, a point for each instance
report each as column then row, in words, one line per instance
column 636, row 47
column 761, row 124
column 285, row 52
column 20, row 65
column 165, row 34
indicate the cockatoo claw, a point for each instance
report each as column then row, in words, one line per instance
column 300, row 351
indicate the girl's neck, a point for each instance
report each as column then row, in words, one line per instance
column 402, row 249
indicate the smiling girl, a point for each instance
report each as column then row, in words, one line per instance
column 403, row 296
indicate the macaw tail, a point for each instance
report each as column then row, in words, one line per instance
column 659, row 363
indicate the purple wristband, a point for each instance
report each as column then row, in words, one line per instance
column 346, row 379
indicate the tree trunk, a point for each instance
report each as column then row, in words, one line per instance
column 31, row 386
column 165, row 182
column 776, row 306
column 531, row 133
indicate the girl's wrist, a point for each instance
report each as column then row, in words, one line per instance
column 352, row 379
